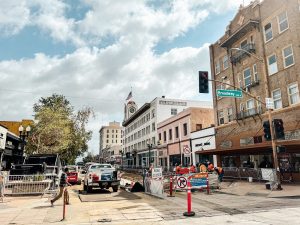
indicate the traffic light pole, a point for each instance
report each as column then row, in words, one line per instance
column 273, row 141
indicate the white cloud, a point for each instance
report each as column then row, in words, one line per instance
column 102, row 77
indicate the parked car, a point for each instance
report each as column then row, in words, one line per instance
column 101, row 175
column 73, row 175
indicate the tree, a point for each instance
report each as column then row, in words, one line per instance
column 59, row 129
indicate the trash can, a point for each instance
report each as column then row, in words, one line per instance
column 250, row 179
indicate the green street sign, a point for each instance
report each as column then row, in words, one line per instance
column 229, row 93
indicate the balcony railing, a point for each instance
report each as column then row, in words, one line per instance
column 252, row 84
column 249, row 113
column 238, row 55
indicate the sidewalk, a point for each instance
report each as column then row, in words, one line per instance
column 243, row 188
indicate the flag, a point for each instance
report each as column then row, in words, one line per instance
column 129, row 96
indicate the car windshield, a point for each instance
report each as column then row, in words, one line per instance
column 100, row 166
column 72, row 169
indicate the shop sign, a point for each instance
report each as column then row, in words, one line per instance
column 226, row 144
column 292, row 135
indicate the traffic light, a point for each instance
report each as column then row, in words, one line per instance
column 203, row 82
column 267, row 130
column 279, row 129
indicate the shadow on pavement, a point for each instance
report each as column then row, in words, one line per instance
column 106, row 195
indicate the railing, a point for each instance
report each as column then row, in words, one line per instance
column 239, row 55
column 259, row 174
column 249, row 112
column 29, row 184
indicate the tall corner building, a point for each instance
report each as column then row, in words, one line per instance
column 260, row 54
column 111, row 140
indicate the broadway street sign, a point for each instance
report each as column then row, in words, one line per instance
column 230, row 93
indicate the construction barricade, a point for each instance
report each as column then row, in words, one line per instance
column 29, row 184
column 154, row 186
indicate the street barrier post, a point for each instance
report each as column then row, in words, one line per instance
column 171, row 187
column 189, row 201
column 207, row 184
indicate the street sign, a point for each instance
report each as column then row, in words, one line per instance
column 269, row 103
column 186, row 150
column 181, row 182
column 229, row 93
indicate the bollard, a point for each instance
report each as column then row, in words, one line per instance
column 207, row 184
column 189, row 201
column 171, row 187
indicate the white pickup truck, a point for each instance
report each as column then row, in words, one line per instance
column 101, row 175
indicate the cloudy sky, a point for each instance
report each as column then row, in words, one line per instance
column 94, row 51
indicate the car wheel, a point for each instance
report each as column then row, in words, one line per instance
column 115, row 188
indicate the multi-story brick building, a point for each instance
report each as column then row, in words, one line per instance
column 259, row 53
column 174, row 136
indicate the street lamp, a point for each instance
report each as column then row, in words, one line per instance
column 274, row 150
column 23, row 135
column 149, row 148
column 122, row 153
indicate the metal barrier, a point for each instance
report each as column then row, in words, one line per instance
column 29, row 184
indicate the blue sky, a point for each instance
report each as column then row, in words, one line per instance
column 94, row 51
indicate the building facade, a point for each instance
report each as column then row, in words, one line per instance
column 141, row 137
column 260, row 54
column 174, row 135
column 111, row 140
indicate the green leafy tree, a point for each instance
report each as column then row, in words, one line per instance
column 59, row 129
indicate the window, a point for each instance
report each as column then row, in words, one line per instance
column 176, row 132
column 242, row 107
column 293, row 92
column 240, row 82
column 277, row 99
column 283, row 22
column 107, row 136
column 288, row 56
column 268, row 32
column 185, row 129
column 159, row 136
column 230, row 114
column 258, row 103
column 113, row 131
column 255, row 74
column 250, row 107
column 225, row 62
column 218, row 68
column 153, row 113
column 243, row 44
column 153, row 126
column 221, row 117
column 107, row 131
column 107, row 141
column 112, row 136
column 170, row 134
column 272, row 64
column 198, row 127
column 247, row 77
column 165, row 136
column 173, row 111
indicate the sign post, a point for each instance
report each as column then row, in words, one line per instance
column 229, row 93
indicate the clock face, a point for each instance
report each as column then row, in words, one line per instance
column 132, row 110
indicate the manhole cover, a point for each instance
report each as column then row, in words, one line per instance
column 105, row 220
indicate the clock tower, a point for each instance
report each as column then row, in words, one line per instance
column 130, row 109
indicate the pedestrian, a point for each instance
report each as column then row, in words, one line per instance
column 220, row 173
column 1, row 186
column 178, row 168
column 62, row 184
column 210, row 167
column 202, row 168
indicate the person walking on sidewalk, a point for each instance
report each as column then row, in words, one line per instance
column 62, row 184
column 1, row 186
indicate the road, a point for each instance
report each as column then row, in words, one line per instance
column 122, row 207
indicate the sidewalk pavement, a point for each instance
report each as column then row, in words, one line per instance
column 243, row 188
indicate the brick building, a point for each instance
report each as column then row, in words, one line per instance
column 259, row 53
column 174, row 135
